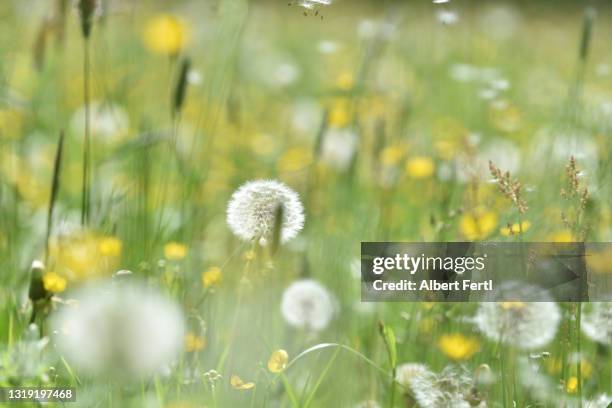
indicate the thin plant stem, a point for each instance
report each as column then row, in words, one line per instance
column 85, row 192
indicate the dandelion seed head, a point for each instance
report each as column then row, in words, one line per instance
column 119, row 330
column 447, row 17
column 252, row 209
column 450, row 388
column 407, row 372
column 339, row 146
column 307, row 304
column 599, row 401
column 597, row 321
column 528, row 325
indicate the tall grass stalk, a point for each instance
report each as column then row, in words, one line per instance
column 55, row 183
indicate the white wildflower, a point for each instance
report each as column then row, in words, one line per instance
column 109, row 122
column 307, row 304
column 126, row 331
column 251, row 211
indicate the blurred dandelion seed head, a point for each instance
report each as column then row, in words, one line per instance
column 597, row 321
column 251, row 211
column 307, row 304
column 120, row 330
column 527, row 326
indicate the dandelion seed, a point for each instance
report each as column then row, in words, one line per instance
column 306, row 304
column 524, row 325
column 125, row 331
column 278, row 361
column 252, row 208
column 597, row 321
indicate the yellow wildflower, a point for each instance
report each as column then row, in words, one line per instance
column 571, row 385
column 211, row 276
column 238, row 384
column 562, row 236
column 339, row 114
column 506, row 117
column 166, row 34
column 295, row 159
column 458, row 347
column 512, row 305
column 175, row 251
column 420, row 167
column 82, row 255
column 194, row 343
column 391, row 155
column 249, row 255
column 477, row 224
column 426, row 325
column 345, row 81
column 278, row 361
column 515, row 228
column 53, row 282
column 110, row 246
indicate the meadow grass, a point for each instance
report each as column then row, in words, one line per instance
column 383, row 119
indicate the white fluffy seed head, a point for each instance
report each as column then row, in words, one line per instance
column 252, row 209
column 524, row 325
column 307, row 304
column 597, row 321
column 124, row 331
column 450, row 388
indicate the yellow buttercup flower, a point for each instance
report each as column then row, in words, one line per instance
column 512, row 305
column 84, row 255
column 458, row 347
column 391, row 155
column 211, row 276
column 166, row 34
column 53, row 282
column 295, row 159
column 562, row 236
column 339, row 114
column 278, row 361
column 345, row 81
column 175, row 251
column 239, row 384
column 515, row 228
column 194, row 343
column 420, row 167
column 477, row 224
column 571, row 385
column 110, row 246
